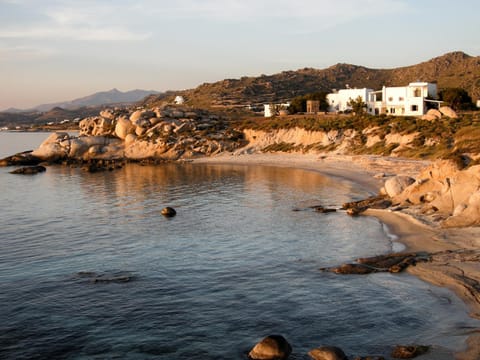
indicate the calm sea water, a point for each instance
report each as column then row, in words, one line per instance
column 234, row 265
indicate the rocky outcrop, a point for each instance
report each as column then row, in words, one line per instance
column 393, row 263
column 450, row 194
column 163, row 133
column 273, row 347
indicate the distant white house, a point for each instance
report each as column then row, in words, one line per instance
column 179, row 100
column 270, row 109
column 338, row 100
column 410, row 100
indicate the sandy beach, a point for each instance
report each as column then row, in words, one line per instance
column 455, row 262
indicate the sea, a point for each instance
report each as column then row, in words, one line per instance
column 90, row 269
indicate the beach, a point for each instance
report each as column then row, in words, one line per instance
column 456, row 265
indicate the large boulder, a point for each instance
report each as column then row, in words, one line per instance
column 124, row 127
column 327, row 353
column 434, row 113
column 273, row 347
column 448, row 111
column 397, row 184
column 55, row 147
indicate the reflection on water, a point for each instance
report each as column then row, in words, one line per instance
column 234, row 265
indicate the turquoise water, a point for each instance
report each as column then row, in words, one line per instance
column 234, row 265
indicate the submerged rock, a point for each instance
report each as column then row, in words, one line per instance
column 409, row 351
column 113, row 277
column 29, row 170
column 273, row 347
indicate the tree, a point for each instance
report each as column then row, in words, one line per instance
column 456, row 98
column 299, row 103
column 357, row 105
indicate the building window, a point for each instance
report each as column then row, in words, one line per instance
column 400, row 98
column 392, row 110
column 390, row 98
column 417, row 93
column 414, row 108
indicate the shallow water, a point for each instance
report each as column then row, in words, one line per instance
column 234, row 265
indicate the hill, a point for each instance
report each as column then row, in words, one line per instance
column 455, row 69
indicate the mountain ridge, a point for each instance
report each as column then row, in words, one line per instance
column 109, row 97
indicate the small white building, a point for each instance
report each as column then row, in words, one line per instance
column 179, row 100
column 338, row 101
column 271, row 109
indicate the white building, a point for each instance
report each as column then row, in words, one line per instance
column 179, row 100
column 338, row 101
column 410, row 100
column 271, row 109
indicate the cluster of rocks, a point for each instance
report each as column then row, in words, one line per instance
column 168, row 132
column 276, row 347
column 434, row 114
column 153, row 135
column 442, row 193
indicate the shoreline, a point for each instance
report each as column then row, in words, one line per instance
column 450, row 270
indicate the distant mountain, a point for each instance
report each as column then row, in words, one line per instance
column 113, row 96
column 455, row 69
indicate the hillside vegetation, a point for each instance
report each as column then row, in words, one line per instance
column 411, row 137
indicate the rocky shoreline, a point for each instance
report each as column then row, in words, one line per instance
column 435, row 211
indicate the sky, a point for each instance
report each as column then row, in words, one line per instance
column 58, row 50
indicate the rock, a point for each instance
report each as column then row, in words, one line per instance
column 397, row 184
column 96, row 126
column 54, row 148
column 21, row 159
column 135, row 116
column 130, row 139
column 124, row 127
column 273, row 347
column 29, row 170
column 374, row 202
column 327, row 353
column 107, row 114
column 409, row 351
column 321, row 209
column 349, row 269
column 429, row 117
column 369, row 358
column 448, row 111
column 434, row 112
column 393, row 263
column 169, row 212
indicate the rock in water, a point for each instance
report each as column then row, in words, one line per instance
column 169, row 212
column 327, row 353
column 409, row 351
column 29, row 170
column 273, row 347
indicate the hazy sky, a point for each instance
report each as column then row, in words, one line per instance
column 55, row 50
